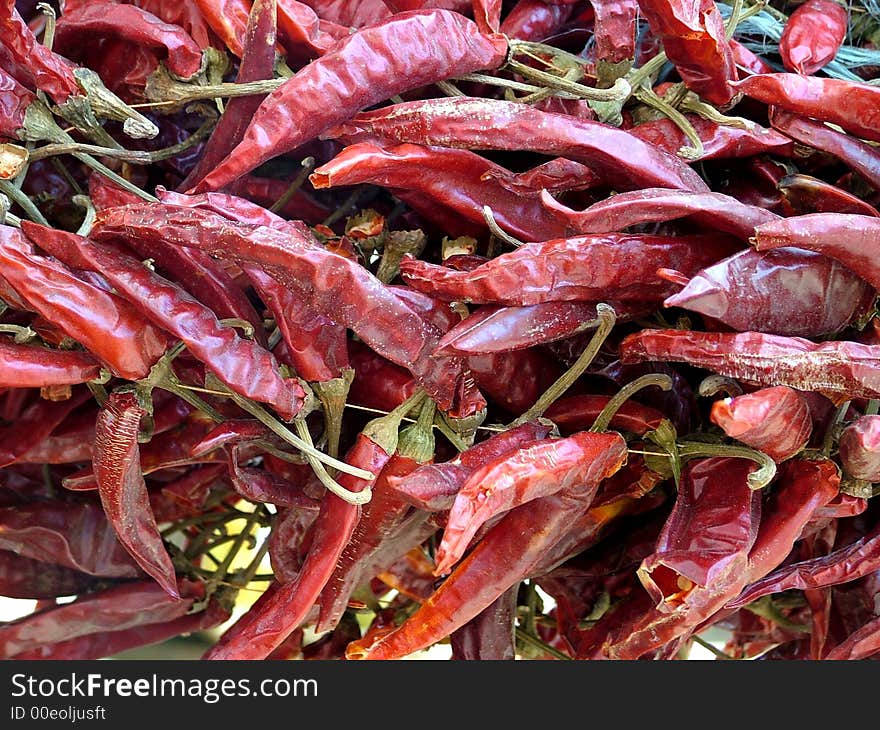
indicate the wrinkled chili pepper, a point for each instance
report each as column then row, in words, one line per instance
column 812, row 35
column 625, row 161
column 579, row 412
column 22, row 577
column 859, row 448
column 123, row 491
column 773, row 420
column 403, row 48
column 32, row 366
column 14, row 102
column 506, row 554
column 534, row 20
column 489, row 636
column 614, row 30
column 303, row 33
column 228, row 19
column 806, row 194
column 582, row 268
column 351, row 13
column 839, row 369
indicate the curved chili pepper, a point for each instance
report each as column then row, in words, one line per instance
column 31, row 366
column 710, row 210
column 838, row 369
column 73, row 535
column 849, row 104
column 535, row 20
column 556, row 176
column 695, row 42
column 773, row 420
column 489, row 636
column 849, row 239
column 257, row 52
column 578, row 412
column 454, row 179
column 303, row 32
column 747, row 60
column 22, row 577
column 861, row 158
column 507, row 554
column 106, row 325
column 493, row 329
column 859, row 448
column 812, row 35
column 583, row 268
column 333, row 285
column 229, row 20
column 117, row 608
column 786, row 291
column 123, row 491
column 622, row 159
column 805, row 194
column 80, row 27
column 403, row 47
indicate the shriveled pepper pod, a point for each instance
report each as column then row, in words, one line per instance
column 813, row 35
column 859, row 448
column 773, row 420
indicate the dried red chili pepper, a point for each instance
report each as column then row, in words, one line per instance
column 303, row 33
column 506, row 555
column 846, row 238
column 583, row 268
column 623, row 160
column 32, row 366
column 773, row 420
column 786, row 291
column 14, row 102
column 80, row 27
column 839, row 369
column 123, row 491
column 694, row 39
column 746, row 59
column 805, row 194
column 378, row 383
column 351, row 13
column 849, row 104
column 715, row 211
column 614, row 30
column 534, row 20
column 860, row 644
column 859, row 448
column 812, row 35
column 22, row 577
column 405, row 49
column 579, row 412
column 228, row 19
column 489, row 636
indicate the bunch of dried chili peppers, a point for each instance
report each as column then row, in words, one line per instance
column 538, row 329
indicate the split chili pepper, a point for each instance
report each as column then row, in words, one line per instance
column 849, row 239
column 333, row 285
column 403, row 47
column 773, row 420
column 861, row 158
column 123, row 491
column 534, row 20
column 106, row 325
column 454, row 179
column 22, row 577
column 812, row 35
column 805, row 194
column 859, row 448
column 77, row 28
column 73, row 535
column 490, row 635
column 263, row 630
column 849, row 104
column 625, row 161
column 506, row 555
column 712, row 210
column 257, row 53
column 582, row 268
column 32, row 366
column 493, row 329
column 786, row 291
column 117, row 608
column 841, row 370
column 693, row 36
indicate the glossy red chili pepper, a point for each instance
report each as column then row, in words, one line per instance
column 333, row 285
column 849, row 104
column 123, row 491
column 624, row 161
column 106, row 325
column 695, row 42
column 846, row 238
column 14, row 102
column 812, row 35
column 257, row 52
column 73, row 535
column 614, row 30
column 773, row 420
column 84, row 25
column 22, row 577
column 458, row 180
column 303, row 33
column 228, row 19
column 583, row 268
column 786, row 291
column 32, row 366
column 839, row 369
column 747, row 60
column 403, row 47
column 534, row 20
column 506, row 555
column 710, row 210
column 805, row 194
column 859, row 448
column 514, row 380
column 117, row 608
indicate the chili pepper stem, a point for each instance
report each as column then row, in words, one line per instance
column 307, row 165
column 238, row 543
column 696, row 151
column 23, row 201
column 831, row 432
column 497, row 230
column 333, row 394
column 536, row 643
column 329, row 483
column 106, row 104
column 606, row 320
column 756, row 480
column 714, row 384
column 619, row 92
column 84, row 202
column 711, row 648
column 624, row 394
